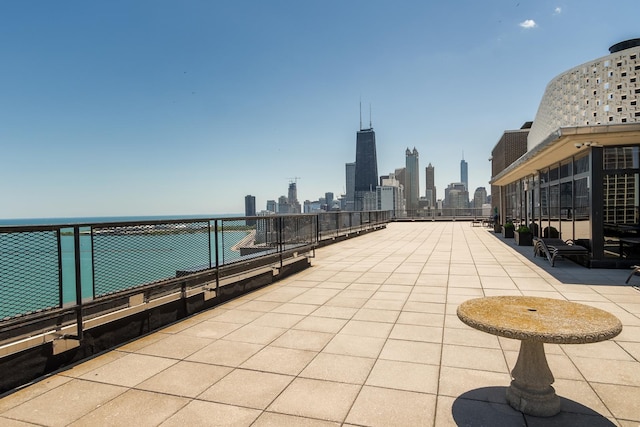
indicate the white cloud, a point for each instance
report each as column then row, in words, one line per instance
column 557, row 11
column 529, row 23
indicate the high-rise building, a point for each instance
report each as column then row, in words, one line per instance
column 366, row 173
column 293, row 193
column 328, row 200
column 479, row 197
column 430, row 185
column 272, row 206
column 456, row 198
column 464, row 173
column 350, row 196
column 390, row 196
column 250, row 208
column 412, row 179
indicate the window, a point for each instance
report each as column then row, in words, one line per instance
column 619, row 109
column 637, row 67
column 632, row 80
column 623, row 97
column 637, row 114
column 619, row 64
column 624, row 120
column 623, row 74
column 619, row 87
column 633, row 102
column 632, row 57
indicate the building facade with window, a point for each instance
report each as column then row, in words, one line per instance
column 580, row 174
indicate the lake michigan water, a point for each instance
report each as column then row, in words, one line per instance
column 29, row 273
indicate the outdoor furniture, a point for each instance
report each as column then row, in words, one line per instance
column 551, row 248
column 636, row 270
column 535, row 321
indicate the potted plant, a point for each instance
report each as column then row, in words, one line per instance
column 508, row 229
column 523, row 236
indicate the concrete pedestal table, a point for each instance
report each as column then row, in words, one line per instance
column 535, row 321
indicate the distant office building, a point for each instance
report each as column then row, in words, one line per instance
column 412, row 179
column 293, row 192
column 292, row 200
column 366, row 173
column 328, row 200
column 479, row 197
column 272, row 206
column 464, row 173
column 350, row 196
column 456, row 198
column 250, row 208
column 390, row 196
column 430, row 185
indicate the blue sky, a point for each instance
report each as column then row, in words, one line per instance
column 184, row 107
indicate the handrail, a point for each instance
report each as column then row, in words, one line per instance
column 56, row 275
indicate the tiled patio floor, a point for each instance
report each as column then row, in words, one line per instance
column 367, row 336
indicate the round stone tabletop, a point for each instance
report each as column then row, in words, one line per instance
column 539, row 319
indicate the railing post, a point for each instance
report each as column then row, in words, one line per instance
column 215, row 238
column 76, row 255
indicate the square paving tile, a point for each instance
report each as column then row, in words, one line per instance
column 323, row 400
column 129, row 370
column 201, row 413
column 227, row 353
column 280, row 360
column 81, row 397
column 320, row 324
column 367, row 329
column 251, row 389
column 135, row 407
column 339, row 368
column 211, row 329
column 303, row 340
column 352, row 345
column 255, row 334
column 271, row 419
column 411, row 351
column 176, row 346
column 383, row 407
column 404, row 376
column 485, row 359
column 187, row 379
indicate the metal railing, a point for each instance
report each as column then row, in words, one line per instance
column 444, row 214
column 57, row 271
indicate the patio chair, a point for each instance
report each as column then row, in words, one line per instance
column 551, row 248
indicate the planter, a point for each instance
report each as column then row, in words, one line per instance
column 523, row 239
column 497, row 228
column 507, row 232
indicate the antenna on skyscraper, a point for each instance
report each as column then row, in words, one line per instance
column 370, row 125
column 361, row 113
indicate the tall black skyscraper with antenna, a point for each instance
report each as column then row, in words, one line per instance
column 366, row 178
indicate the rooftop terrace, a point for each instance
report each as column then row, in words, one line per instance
column 367, row 336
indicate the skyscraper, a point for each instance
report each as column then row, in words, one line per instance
column 250, row 208
column 412, row 179
column 366, row 173
column 430, row 185
column 464, row 173
column 350, row 172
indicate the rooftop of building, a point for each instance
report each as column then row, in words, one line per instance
column 367, row 336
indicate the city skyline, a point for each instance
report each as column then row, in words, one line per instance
column 128, row 108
